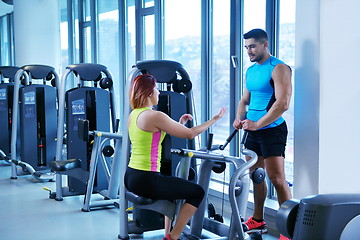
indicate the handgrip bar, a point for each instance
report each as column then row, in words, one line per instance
column 222, row 147
column 232, row 135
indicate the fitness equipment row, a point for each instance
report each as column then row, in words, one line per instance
column 100, row 151
column 7, row 75
column 30, row 116
column 91, row 100
column 80, row 102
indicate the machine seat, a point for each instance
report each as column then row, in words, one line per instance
column 132, row 197
column 164, row 207
column 62, row 166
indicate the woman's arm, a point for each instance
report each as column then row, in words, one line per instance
column 165, row 123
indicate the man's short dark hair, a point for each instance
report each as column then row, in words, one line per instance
column 258, row 34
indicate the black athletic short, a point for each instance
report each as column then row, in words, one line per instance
column 160, row 187
column 268, row 142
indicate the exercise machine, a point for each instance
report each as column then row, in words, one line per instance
column 321, row 217
column 93, row 100
column 34, row 115
column 175, row 100
column 173, row 75
column 7, row 75
column 100, row 151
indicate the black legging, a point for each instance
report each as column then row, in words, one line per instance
column 156, row 186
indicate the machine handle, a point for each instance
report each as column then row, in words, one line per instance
column 234, row 61
column 222, row 147
column 210, row 140
column 243, row 140
column 117, row 124
column 83, row 129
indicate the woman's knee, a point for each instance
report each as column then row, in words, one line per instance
column 200, row 192
column 198, row 196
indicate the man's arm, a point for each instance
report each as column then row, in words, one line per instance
column 243, row 103
column 241, row 110
column 283, row 89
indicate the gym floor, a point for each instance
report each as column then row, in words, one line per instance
column 27, row 213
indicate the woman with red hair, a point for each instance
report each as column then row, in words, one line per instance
column 147, row 129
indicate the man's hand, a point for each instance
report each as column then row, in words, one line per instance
column 249, row 125
column 237, row 124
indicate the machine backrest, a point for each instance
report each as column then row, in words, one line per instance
column 175, row 100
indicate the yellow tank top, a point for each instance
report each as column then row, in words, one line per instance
column 145, row 146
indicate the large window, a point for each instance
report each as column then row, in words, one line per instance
column 108, row 40
column 252, row 21
column 221, row 66
column 147, row 43
column 131, row 41
column 183, row 42
column 6, row 40
column 87, row 24
column 108, row 36
column 220, row 89
column 69, row 33
column 64, row 33
column 149, row 37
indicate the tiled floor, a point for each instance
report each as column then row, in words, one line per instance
column 26, row 213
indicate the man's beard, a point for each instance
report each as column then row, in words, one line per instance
column 258, row 58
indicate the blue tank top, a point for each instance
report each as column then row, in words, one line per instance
column 260, row 84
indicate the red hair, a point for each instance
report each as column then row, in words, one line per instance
column 141, row 88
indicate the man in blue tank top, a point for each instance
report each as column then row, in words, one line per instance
column 266, row 97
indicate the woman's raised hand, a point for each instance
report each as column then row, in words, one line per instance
column 220, row 114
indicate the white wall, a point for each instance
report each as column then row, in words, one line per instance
column 340, row 96
column 37, row 32
column 327, row 93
